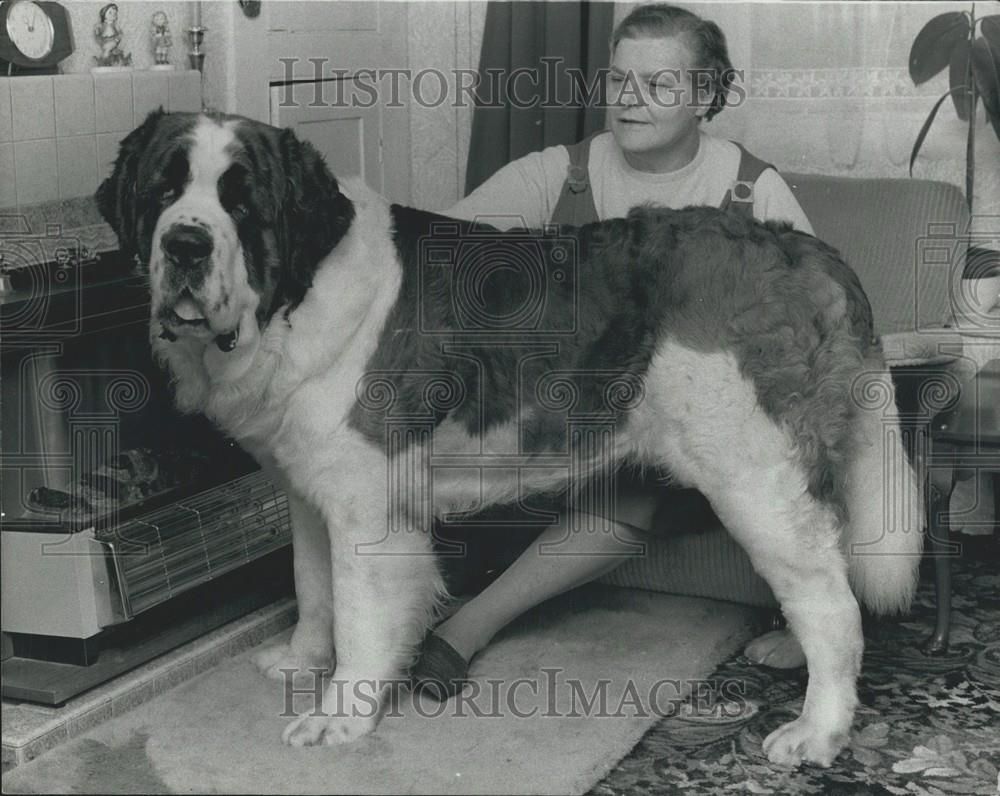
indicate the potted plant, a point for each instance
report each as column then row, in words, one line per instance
column 973, row 60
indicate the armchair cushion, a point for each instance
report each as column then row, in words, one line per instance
column 905, row 239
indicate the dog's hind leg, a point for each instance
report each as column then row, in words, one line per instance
column 311, row 646
column 793, row 542
column 715, row 436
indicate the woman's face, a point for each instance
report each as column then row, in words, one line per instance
column 112, row 14
column 653, row 103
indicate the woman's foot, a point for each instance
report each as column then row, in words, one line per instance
column 445, row 655
column 778, row 649
column 440, row 671
column 556, row 562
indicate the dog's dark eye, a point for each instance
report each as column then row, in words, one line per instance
column 233, row 190
column 173, row 178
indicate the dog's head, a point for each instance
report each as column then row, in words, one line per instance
column 230, row 215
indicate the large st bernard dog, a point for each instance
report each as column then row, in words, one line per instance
column 350, row 344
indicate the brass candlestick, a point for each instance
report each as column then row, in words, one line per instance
column 196, row 57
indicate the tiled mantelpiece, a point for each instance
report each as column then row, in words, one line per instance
column 59, row 134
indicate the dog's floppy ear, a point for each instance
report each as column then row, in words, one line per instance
column 316, row 215
column 116, row 197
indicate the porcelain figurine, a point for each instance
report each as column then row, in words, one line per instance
column 109, row 36
column 162, row 41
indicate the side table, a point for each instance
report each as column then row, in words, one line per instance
column 966, row 437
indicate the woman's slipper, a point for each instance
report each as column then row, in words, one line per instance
column 778, row 649
column 440, row 671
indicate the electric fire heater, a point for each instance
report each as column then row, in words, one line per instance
column 115, row 509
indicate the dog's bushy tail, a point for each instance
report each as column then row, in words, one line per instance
column 884, row 537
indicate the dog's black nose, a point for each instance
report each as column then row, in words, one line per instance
column 186, row 244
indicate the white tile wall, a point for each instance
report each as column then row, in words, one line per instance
column 59, row 135
column 107, row 151
column 113, row 98
column 74, row 100
column 183, row 92
column 6, row 129
column 149, row 92
column 35, row 177
column 32, row 108
column 77, row 165
column 8, row 190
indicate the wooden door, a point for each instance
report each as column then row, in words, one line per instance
column 313, row 66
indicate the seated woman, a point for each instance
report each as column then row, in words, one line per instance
column 669, row 72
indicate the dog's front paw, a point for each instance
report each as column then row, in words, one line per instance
column 329, row 730
column 803, row 740
column 276, row 661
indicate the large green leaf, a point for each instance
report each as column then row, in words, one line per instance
column 926, row 126
column 991, row 32
column 986, row 70
column 990, row 28
column 932, row 48
column 960, row 79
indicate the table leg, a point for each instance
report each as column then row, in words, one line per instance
column 941, row 484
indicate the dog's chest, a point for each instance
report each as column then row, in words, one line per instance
column 303, row 382
column 280, row 405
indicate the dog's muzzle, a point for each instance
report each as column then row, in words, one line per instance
column 186, row 313
column 188, row 249
column 186, row 246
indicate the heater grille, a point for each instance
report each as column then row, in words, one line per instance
column 168, row 551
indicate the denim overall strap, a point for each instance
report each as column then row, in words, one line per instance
column 739, row 198
column 576, row 201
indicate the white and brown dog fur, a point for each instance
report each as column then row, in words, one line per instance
column 277, row 292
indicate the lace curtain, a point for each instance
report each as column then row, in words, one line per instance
column 828, row 91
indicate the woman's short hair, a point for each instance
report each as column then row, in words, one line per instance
column 704, row 37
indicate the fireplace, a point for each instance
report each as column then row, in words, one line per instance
column 113, row 504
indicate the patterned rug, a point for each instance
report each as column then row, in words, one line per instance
column 925, row 726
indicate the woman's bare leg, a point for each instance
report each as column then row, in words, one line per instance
column 554, row 563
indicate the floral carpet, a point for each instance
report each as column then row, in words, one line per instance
column 926, row 725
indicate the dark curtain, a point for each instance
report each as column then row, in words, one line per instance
column 541, row 107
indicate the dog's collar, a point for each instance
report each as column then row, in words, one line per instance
column 224, row 342
column 229, row 355
column 227, row 342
